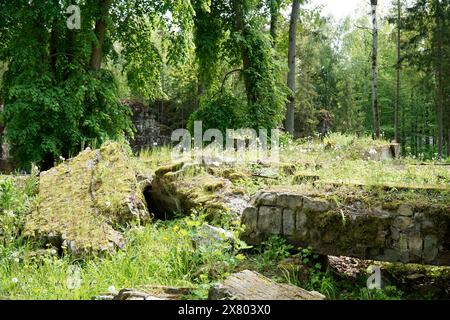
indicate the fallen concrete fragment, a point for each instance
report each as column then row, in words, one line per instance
column 82, row 201
column 249, row 285
column 208, row 236
column 150, row 293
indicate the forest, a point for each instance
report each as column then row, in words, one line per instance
column 284, row 64
column 92, row 94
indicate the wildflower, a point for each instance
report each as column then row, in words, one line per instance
column 15, row 280
column 62, row 158
column 112, row 289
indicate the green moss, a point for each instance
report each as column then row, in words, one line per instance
column 170, row 168
column 342, row 234
column 212, row 186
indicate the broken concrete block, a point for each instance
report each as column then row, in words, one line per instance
column 249, row 285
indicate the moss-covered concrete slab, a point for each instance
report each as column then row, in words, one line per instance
column 83, row 201
column 249, row 285
column 183, row 187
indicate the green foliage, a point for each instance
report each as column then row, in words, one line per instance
column 310, row 275
column 222, row 113
column 44, row 118
column 217, row 259
column 332, row 287
column 143, row 62
column 209, row 35
column 271, row 252
column 388, row 293
column 266, row 96
column 57, row 98
column 155, row 255
column 16, row 197
column 428, row 50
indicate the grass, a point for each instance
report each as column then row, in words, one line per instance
column 338, row 159
column 161, row 254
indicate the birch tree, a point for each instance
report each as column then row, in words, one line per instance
column 375, row 107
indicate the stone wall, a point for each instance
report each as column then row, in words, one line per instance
column 401, row 234
column 150, row 133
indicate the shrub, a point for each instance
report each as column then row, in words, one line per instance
column 222, row 113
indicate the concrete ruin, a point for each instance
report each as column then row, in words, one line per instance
column 392, row 231
column 149, row 132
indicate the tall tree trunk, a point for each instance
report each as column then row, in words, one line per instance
column 440, row 114
column 274, row 13
column 100, row 33
column 375, row 108
column 290, row 112
column 448, row 143
column 239, row 25
column 440, row 82
column 446, row 102
column 397, row 98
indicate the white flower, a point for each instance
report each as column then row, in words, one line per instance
column 15, row 280
column 372, row 151
column 107, row 204
column 62, row 158
column 112, row 289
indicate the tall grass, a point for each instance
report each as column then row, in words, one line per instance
column 160, row 254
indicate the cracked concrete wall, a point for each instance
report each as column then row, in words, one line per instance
column 149, row 132
column 404, row 234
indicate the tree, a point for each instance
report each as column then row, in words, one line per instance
column 58, row 95
column 375, row 107
column 398, row 68
column 429, row 50
column 274, row 8
column 290, row 113
column 209, row 35
column 265, row 95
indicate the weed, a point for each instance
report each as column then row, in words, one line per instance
column 271, row 252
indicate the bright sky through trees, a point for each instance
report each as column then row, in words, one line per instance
column 342, row 8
